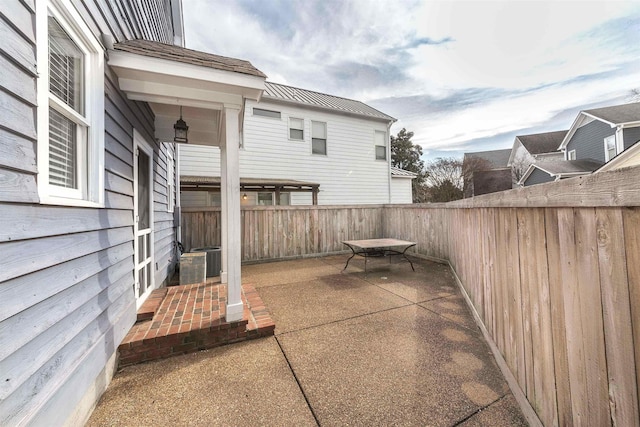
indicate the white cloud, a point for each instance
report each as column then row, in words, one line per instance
column 540, row 57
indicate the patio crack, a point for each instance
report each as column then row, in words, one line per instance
column 306, row 398
column 479, row 410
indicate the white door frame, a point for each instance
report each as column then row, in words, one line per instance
column 139, row 144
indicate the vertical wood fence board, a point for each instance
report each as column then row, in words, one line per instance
column 631, row 218
column 591, row 313
column 616, row 307
column 573, row 321
column 515, row 303
column 528, row 289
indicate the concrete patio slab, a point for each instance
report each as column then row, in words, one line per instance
column 324, row 300
column 263, row 275
column 245, row 384
column 405, row 364
column 453, row 308
column 391, row 347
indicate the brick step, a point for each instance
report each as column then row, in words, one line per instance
column 191, row 318
column 151, row 305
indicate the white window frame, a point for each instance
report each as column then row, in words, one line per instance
column 296, row 139
column 91, row 154
column 254, row 109
column 270, row 193
column 613, row 138
column 571, row 155
column 375, row 146
column 171, row 178
column 326, row 131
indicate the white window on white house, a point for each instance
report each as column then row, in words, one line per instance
column 266, row 113
column 296, row 128
column 70, row 108
column 610, row 148
column 571, row 155
column 380, row 142
column 318, row 138
column 171, row 179
column 265, row 199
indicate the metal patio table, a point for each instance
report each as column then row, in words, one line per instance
column 378, row 248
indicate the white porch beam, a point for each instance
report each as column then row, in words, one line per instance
column 231, row 156
column 174, row 90
column 223, row 200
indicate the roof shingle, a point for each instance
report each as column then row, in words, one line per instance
column 187, row 56
column 618, row 114
column 539, row 143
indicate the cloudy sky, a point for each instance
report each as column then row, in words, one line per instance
column 464, row 76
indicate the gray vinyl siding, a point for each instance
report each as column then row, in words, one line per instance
column 631, row 136
column 588, row 140
column 538, row 177
column 66, row 282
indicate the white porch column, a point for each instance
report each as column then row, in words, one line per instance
column 223, row 203
column 230, row 158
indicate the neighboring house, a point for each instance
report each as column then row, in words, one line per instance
column 528, row 149
column 304, row 139
column 401, row 185
column 541, row 172
column 597, row 137
column 486, row 172
column 87, row 187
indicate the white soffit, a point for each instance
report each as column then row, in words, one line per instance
column 164, row 81
column 203, row 123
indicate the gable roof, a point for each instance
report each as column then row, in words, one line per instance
column 562, row 169
column 187, row 56
column 290, row 94
column 547, row 142
column 497, row 158
column 401, row 173
column 617, row 114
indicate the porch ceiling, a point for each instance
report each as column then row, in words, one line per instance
column 168, row 76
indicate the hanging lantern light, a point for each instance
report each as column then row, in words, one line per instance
column 181, row 129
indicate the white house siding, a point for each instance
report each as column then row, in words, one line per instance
column 66, row 276
column 348, row 174
column 401, row 190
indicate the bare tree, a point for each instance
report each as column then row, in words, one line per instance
column 445, row 179
column 634, row 95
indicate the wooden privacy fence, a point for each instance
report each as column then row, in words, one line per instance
column 277, row 232
column 552, row 272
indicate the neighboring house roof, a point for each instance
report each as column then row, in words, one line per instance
column 180, row 54
column 546, row 142
column 563, row 169
column 497, row 158
column 401, row 173
column 617, row 114
column 279, row 92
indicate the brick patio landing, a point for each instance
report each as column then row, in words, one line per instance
column 187, row 318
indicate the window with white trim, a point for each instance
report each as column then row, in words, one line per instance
column 571, row 155
column 70, row 108
column 296, row 128
column 318, row 138
column 266, row 113
column 380, row 142
column 171, row 179
column 610, row 148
